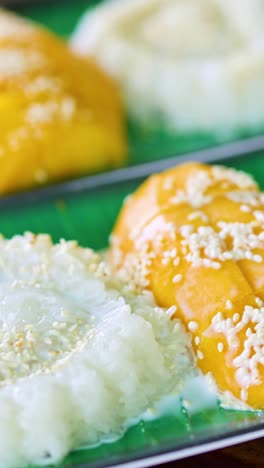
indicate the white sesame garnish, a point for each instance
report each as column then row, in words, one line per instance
column 176, row 261
column 245, row 208
column 257, row 258
column 259, row 302
column 247, row 363
column 171, row 311
column 197, row 340
column 173, row 252
column 165, row 261
column 186, row 230
column 259, row 215
column 198, row 215
column 236, row 317
column 248, row 332
column 246, row 197
column 207, row 247
column 43, row 84
column 33, row 266
column 16, row 62
column 200, row 355
column 135, row 266
column 238, row 178
column 45, row 112
column 19, row 347
column 67, row 108
column 195, row 190
column 39, row 113
column 177, row 278
column 228, row 304
column 220, row 347
column 193, row 326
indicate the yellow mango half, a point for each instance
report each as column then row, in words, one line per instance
column 60, row 115
column 194, row 236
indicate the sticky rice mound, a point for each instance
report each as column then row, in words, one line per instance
column 81, row 356
column 192, row 65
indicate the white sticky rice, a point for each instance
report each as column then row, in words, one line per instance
column 80, row 357
column 192, row 64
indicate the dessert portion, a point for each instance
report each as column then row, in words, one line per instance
column 81, row 356
column 194, row 236
column 187, row 64
column 60, row 115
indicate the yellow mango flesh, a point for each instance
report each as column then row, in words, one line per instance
column 152, row 220
column 60, row 115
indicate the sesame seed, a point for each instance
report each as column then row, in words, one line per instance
column 236, row 317
column 165, row 261
column 197, row 340
column 195, row 190
column 259, row 215
column 177, row 278
column 193, row 326
column 229, row 304
column 248, row 332
column 16, row 62
column 246, row 197
column 173, row 253
column 198, row 215
column 40, row 113
column 245, row 208
column 171, row 311
column 42, row 84
column 176, row 261
column 257, row 258
column 200, row 355
column 251, row 322
column 259, row 302
column 67, row 108
column 220, row 347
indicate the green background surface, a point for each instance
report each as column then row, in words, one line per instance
column 88, row 217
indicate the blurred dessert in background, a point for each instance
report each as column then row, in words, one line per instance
column 60, row 115
column 187, row 64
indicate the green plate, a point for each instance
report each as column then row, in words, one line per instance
column 75, row 212
column 88, row 216
column 145, row 144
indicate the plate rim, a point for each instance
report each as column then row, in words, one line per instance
column 225, row 152
column 154, row 456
